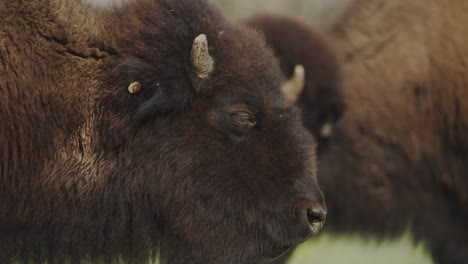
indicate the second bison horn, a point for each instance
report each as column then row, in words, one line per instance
column 200, row 57
column 293, row 87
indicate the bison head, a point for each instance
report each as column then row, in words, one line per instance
column 213, row 159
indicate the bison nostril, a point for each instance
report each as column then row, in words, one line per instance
column 316, row 216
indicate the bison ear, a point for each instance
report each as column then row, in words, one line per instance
column 134, row 87
column 200, row 58
column 293, row 87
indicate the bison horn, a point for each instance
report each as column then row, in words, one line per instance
column 293, row 87
column 200, row 57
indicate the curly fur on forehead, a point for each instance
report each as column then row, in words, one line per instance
column 149, row 29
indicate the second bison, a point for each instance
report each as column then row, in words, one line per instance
column 399, row 158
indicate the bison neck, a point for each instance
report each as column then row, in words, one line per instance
column 48, row 82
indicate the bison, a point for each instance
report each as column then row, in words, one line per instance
column 152, row 129
column 399, row 156
column 296, row 42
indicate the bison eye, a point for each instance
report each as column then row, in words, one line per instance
column 243, row 119
column 237, row 120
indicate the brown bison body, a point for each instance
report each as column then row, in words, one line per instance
column 399, row 158
column 125, row 136
column 295, row 42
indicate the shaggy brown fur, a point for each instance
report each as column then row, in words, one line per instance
column 399, row 158
column 296, row 42
column 178, row 170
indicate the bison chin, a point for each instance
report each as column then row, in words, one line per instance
column 238, row 230
column 282, row 236
column 235, row 244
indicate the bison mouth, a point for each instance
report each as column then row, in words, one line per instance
column 280, row 244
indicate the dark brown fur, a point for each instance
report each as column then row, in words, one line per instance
column 399, row 158
column 91, row 172
column 295, row 42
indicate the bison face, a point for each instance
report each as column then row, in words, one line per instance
column 214, row 162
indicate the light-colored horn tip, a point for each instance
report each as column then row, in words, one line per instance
column 293, row 87
column 200, row 57
column 134, row 87
column 299, row 71
column 200, row 39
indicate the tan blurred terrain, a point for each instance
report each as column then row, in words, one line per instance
column 319, row 12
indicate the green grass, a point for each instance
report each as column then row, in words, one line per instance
column 327, row 249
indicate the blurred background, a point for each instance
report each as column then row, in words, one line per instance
column 327, row 248
column 318, row 12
